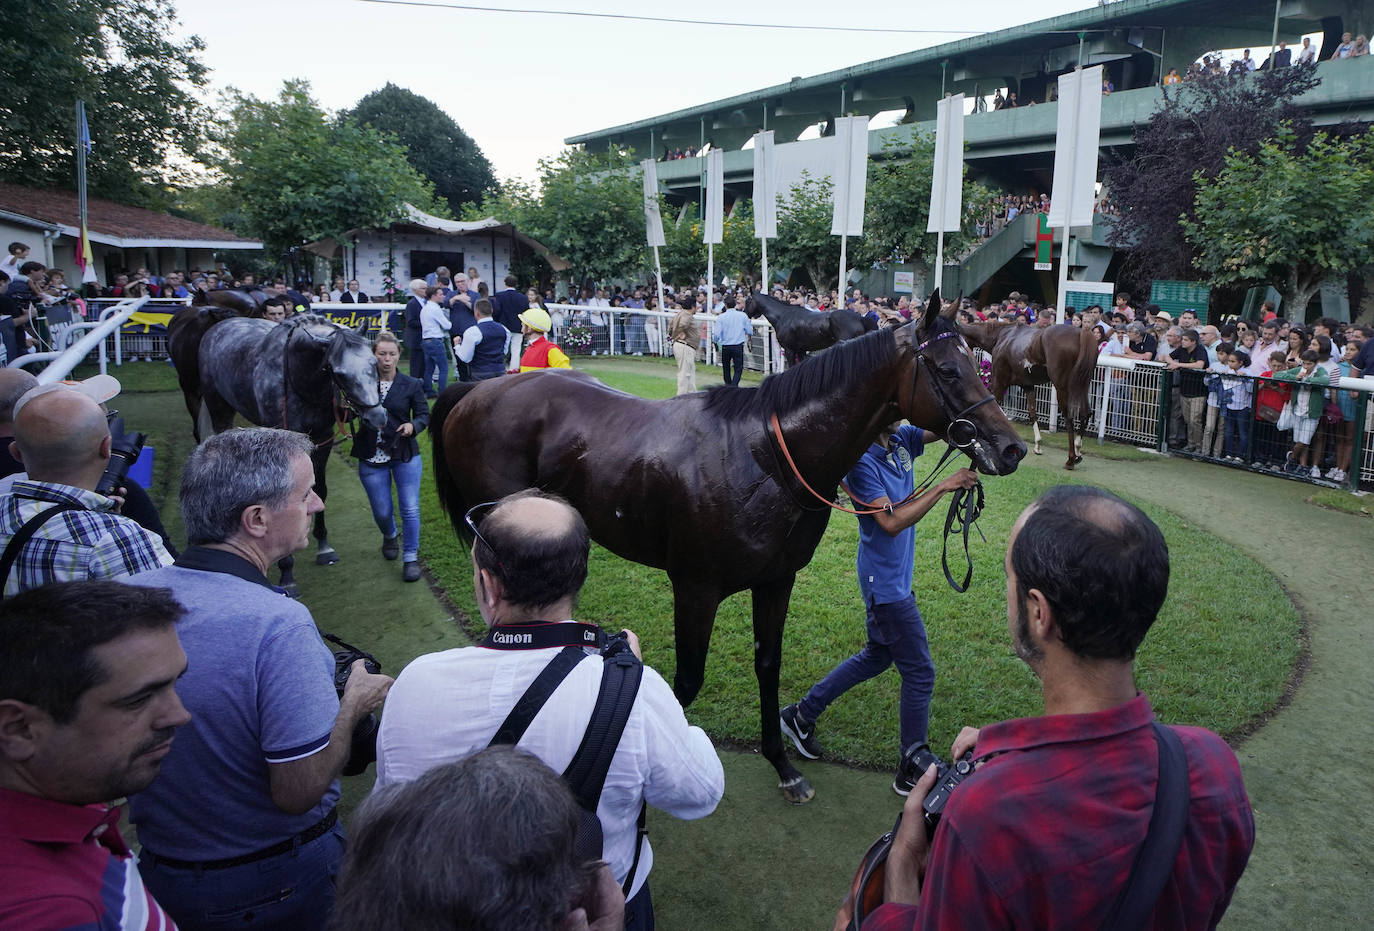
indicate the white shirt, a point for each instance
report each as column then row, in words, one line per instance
column 434, row 321
column 1308, row 53
column 10, row 266
column 447, row 706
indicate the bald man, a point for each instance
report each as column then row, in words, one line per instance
column 62, row 440
column 14, row 383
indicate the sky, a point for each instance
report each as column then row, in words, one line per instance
column 520, row 84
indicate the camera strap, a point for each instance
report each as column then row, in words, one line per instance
column 24, row 534
column 621, row 674
column 1154, row 861
column 542, row 636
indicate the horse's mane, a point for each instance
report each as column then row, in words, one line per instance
column 823, row 373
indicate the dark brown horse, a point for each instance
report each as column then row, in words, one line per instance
column 697, row 485
column 800, row 331
column 1062, row 355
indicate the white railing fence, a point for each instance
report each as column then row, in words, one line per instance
column 60, row 364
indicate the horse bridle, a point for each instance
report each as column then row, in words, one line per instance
column 342, row 406
column 966, row 504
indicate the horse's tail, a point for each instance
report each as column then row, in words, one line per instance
column 450, row 496
column 1082, row 375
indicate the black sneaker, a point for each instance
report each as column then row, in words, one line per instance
column 391, row 547
column 803, row 734
column 410, row 572
column 901, row 785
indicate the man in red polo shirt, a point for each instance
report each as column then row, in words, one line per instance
column 87, row 713
column 1043, row 833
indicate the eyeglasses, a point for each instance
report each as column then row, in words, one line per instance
column 472, row 518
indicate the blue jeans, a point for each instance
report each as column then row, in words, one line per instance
column 896, row 635
column 436, row 360
column 290, row 892
column 376, row 481
column 1237, row 432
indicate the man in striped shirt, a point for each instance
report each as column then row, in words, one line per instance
column 87, row 714
column 62, row 439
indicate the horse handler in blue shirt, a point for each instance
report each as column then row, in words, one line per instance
column 883, row 478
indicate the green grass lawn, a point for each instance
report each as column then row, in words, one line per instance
column 1221, row 654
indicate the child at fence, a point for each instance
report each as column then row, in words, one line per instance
column 1237, row 388
column 1212, row 432
column 1271, row 398
column 1304, row 410
column 1351, row 405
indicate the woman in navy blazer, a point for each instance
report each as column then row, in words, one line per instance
column 392, row 454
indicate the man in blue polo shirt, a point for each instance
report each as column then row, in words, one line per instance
column 884, row 478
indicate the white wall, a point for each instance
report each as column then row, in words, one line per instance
column 477, row 253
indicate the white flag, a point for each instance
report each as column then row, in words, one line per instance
column 1075, row 148
column 653, row 220
column 851, row 175
column 765, row 187
column 947, row 181
column 713, row 231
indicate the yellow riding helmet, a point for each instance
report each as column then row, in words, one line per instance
column 537, row 318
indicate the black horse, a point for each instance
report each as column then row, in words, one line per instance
column 299, row 375
column 700, row 485
column 800, row 331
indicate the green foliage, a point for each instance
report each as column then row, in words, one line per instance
column 897, row 207
column 138, row 83
column 296, row 174
column 436, row 146
column 1279, row 216
column 588, row 208
column 804, row 240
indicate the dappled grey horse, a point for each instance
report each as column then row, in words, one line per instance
column 304, row 374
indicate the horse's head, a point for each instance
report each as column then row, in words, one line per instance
column 353, row 368
column 753, row 307
column 347, row 358
column 941, row 385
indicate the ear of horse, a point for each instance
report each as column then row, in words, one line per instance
column 932, row 310
column 953, row 306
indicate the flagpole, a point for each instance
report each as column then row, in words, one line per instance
column 940, row 259
column 764, row 284
column 843, row 247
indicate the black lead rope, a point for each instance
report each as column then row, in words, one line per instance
column 964, row 509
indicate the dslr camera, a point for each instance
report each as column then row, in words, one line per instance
column 916, row 760
column 363, row 749
column 124, row 452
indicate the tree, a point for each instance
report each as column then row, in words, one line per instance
column 897, row 207
column 1184, row 143
column 804, row 239
column 137, row 81
column 293, row 173
column 1277, row 216
column 588, row 208
column 436, row 146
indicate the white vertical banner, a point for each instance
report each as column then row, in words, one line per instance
column 653, row 219
column 1075, row 147
column 947, row 181
column 714, row 228
column 1075, row 159
column 765, row 187
column 851, row 175
column 947, row 178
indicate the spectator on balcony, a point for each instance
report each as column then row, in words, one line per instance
column 1172, row 77
column 1345, row 49
column 1283, row 57
column 1308, row 53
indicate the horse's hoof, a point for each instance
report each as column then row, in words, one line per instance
column 326, row 557
column 797, row 790
column 1036, row 450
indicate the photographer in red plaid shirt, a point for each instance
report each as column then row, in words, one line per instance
column 1045, row 832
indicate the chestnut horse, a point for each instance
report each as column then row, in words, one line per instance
column 1062, row 355
column 697, row 485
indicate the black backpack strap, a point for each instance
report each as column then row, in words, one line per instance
column 1154, row 861
column 24, row 534
column 513, row 728
column 586, row 774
